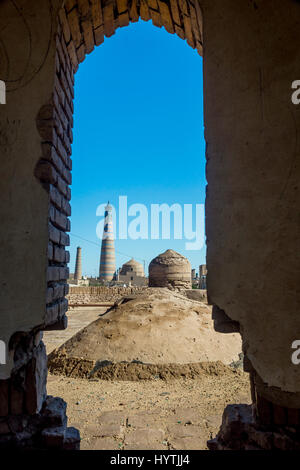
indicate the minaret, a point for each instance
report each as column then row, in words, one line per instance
column 108, row 258
column 78, row 267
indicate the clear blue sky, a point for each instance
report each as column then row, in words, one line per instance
column 138, row 131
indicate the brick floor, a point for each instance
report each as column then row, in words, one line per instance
column 143, row 431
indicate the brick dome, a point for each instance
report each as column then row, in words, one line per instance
column 132, row 266
column 170, row 269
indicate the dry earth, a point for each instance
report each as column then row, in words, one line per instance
column 157, row 414
column 178, row 413
column 160, row 332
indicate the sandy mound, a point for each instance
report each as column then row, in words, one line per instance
column 159, row 333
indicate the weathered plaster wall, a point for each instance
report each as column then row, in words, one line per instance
column 251, row 58
column 27, row 51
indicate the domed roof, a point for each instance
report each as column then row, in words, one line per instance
column 170, row 257
column 132, row 262
column 132, row 266
column 170, row 269
column 137, row 334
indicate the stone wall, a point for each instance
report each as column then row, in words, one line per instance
column 99, row 294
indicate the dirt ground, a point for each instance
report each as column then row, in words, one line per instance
column 179, row 413
column 157, row 332
column 78, row 318
column 157, row 414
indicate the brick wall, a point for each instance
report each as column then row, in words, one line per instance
column 54, row 123
column 81, row 26
column 86, row 23
column 94, row 295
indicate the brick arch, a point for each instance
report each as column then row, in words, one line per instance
column 85, row 24
column 82, row 25
column 240, row 36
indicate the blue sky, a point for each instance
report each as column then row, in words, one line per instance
column 138, row 132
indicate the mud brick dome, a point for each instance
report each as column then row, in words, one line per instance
column 132, row 266
column 170, row 269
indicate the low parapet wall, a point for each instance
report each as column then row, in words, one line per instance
column 97, row 295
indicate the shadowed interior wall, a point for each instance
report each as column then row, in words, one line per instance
column 27, row 52
column 252, row 204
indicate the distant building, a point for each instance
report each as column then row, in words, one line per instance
column 77, row 279
column 107, row 270
column 78, row 265
column 78, row 282
column 170, row 269
column 202, row 276
column 132, row 273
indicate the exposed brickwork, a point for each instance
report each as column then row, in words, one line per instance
column 271, row 413
column 54, row 123
column 25, row 390
column 42, row 430
column 82, row 25
column 22, row 422
column 94, row 295
column 85, row 24
column 25, row 409
column 241, row 431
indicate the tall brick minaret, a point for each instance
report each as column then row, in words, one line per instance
column 78, row 266
column 108, row 257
